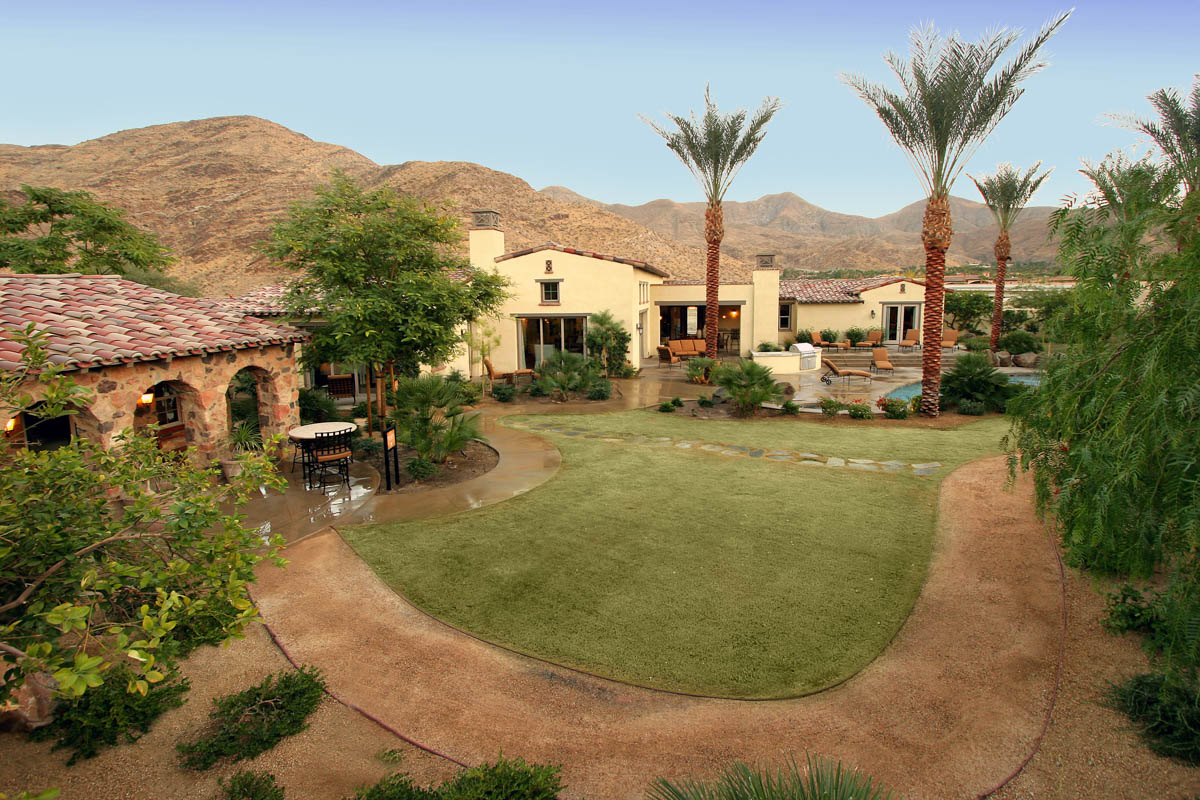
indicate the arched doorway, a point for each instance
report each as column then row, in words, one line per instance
column 165, row 407
column 35, row 431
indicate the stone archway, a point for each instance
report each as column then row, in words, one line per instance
column 275, row 408
column 175, row 407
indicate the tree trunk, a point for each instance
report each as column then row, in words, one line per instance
column 936, row 232
column 714, row 232
column 1003, row 251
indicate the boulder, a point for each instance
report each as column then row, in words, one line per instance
column 1000, row 358
column 719, row 395
column 787, row 389
column 31, row 706
column 1027, row 360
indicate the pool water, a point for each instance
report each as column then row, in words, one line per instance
column 911, row 390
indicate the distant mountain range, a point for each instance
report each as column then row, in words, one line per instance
column 212, row 188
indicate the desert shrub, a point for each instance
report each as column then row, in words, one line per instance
column 247, row 785
column 468, row 392
column 975, row 344
column 893, row 408
column 699, row 369
column 566, row 372
column 396, row 787
column 666, row 407
column 607, row 337
column 787, row 342
column 359, row 410
column 317, row 406
column 540, row 388
column 1128, row 610
column 972, row 408
column 420, row 468
column 975, row 379
column 504, row 392
column 804, row 335
column 110, row 714
column 855, row 335
column 1167, row 712
column 821, row 779
column 790, row 408
column 914, row 404
column 251, row 722
column 859, row 410
column 366, row 446
column 749, row 385
column 705, row 401
column 601, row 390
column 627, row 370
column 830, row 335
column 504, row 780
column 1020, row 342
column 429, row 417
column 830, row 407
column 768, row 347
column 677, row 402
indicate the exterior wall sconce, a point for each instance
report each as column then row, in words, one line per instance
column 146, row 399
column 733, row 313
column 639, row 327
column 11, row 425
column 872, row 313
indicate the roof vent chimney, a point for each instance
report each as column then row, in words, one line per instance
column 764, row 261
column 485, row 218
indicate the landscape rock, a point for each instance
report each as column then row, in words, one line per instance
column 1027, row 360
column 1000, row 358
column 785, row 387
column 31, row 706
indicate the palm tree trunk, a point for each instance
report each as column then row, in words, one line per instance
column 935, row 235
column 1003, row 251
column 714, row 232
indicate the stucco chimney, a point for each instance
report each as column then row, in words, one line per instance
column 764, row 261
column 766, row 299
column 485, row 238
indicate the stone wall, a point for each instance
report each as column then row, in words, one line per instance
column 201, row 382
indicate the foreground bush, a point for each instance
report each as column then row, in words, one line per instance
column 504, row 392
column 699, row 369
column 821, row 779
column 248, row 723
column 430, row 417
column 1168, row 714
column 974, row 379
column 749, row 385
column 251, row 786
column 505, row 780
column 1020, row 342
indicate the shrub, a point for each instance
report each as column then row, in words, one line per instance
column 110, row 714
column 830, row 407
column 421, row 468
column 396, row 787
column 821, row 779
column 830, row 334
column 700, row 369
column 627, row 370
column 677, row 402
column 893, row 408
column 914, row 404
column 504, row 780
column 790, row 408
column 601, row 390
column 359, row 410
column 251, row 786
column 768, row 347
column 430, row 418
column 1020, row 342
column 566, row 372
column 1129, row 610
column 540, row 388
column 787, row 342
column 366, row 446
column 804, row 335
column 317, row 406
column 504, row 392
column 248, row 723
column 976, row 344
column 974, row 378
column 607, row 337
column 706, row 402
column 749, row 385
column 666, row 407
column 468, row 392
column 855, row 335
column 972, row 408
column 1168, row 714
column 859, row 410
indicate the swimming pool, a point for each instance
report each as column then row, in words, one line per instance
column 911, row 390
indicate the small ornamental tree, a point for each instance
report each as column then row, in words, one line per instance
column 608, row 342
column 122, row 557
column 965, row 309
column 379, row 271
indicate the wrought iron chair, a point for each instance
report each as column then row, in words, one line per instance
column 328, row 453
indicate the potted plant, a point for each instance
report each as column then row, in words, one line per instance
column 244, row 437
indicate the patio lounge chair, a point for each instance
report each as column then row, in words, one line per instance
column 845, row 374
column 507, row 377
column 665, row 356
column 879, row 360
column 818, row 341
column 950, row 339
column 874, row 339
column 911, row 339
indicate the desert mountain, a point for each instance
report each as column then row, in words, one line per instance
column 212, row 188
column 810, row 237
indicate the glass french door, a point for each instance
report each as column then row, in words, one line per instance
column 542, row 337
column 898, row 320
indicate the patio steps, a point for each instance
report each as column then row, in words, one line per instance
column 849, row 359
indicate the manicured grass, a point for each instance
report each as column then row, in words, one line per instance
column 688, row 570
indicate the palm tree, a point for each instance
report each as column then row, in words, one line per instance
column 715, row 148
column 1006, row 194
column 951, row 99
column 1177, row 132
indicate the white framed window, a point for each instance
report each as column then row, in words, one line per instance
column 550, row 292
column 785, row 316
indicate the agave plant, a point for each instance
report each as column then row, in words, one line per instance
column 821, row 779
column 749, row 384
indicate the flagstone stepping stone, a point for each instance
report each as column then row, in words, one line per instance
column 712, row 448
column 835, row 462
column 813, row 463
column 733, row 452
column 737, row 447
column 613, row 441
column 779, row 458
column 892, row 466
column 861, row 460
column 869, row 467
column 779, row 453
column 683, row 445
column 757, row 453
column 808, row 455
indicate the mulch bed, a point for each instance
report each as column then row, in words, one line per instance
column 476, row 460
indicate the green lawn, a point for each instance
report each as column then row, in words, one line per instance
column 689, row 570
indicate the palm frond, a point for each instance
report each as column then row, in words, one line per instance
column 1008, row 190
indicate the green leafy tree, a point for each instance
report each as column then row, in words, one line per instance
column 965, row 309
column 123, row 557
column 378, row 269
column 55, row 231
column 1176, row 132
column 952, row 96
column 715, row 148
column 1006, row 194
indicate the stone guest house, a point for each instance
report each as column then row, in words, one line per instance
column 148, row 357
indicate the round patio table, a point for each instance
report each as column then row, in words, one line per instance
column 311, row 430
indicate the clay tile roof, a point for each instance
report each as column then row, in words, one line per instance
column 834, row 290
column 95, row 320
column 267, row 301
column 633, row 262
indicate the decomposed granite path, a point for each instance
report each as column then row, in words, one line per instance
column 946, row 711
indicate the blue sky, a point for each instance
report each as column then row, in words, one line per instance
column 551, row 91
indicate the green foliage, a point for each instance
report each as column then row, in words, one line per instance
column 1167, row 713
column 601, row 390
column 830, row 335
column 677, row 402
column 892, row 408
column 504, row 780
column 608, row 341
column 245, row 437
column 1129, row 610
column 821, row 779
column 504, row 392
column 976, row 344
column 790, row 409
column 396, row 787
column 317, row 406
column 966, row 309
column 1007, row 192
column 666, row 407
column 830, row 407
column 45, row 794
column 768, row 347
column 430, row 417
column 1019, row 342
column 700, row 369
column 914, row 405
column 248, row 723
column 421, row 468
column 1012, row 319
column 56, row 231
column 804, row 335
column 377, row 268
column 247, row 785
column 972, row 408
column 859, row 410
column 749, row 385
column 366, row 445
column 705, row 401
column 110, row 714
column 855, row 335
column 974, row 380
column 566, row 373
